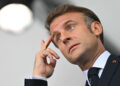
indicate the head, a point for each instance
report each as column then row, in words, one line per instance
column 77, row 32
column 89, row 15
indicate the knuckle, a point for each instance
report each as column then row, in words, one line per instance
column 48, row 48
column 38, row 55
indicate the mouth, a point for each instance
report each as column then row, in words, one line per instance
column 72, row 47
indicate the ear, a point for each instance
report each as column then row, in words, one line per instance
column 96, row 28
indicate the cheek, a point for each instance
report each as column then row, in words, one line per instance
column 91, row 42
column 63, row 50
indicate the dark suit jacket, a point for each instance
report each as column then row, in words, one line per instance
column 109, row 77
column 35, row 82
column 111, row 72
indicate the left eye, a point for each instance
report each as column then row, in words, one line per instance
column 58, row 38
column 70, row 28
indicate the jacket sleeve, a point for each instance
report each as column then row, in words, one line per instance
column 35, row 82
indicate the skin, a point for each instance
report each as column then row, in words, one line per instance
column 41, row 67
column 72, row 36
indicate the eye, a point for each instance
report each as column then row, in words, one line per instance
column 70, row 27
column 58, row 38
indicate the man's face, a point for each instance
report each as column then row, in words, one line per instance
column 73, row 38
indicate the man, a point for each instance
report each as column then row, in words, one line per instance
column 78, row 33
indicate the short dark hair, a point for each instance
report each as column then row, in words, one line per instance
column 90, row 16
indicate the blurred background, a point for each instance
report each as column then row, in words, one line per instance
column 22, row 29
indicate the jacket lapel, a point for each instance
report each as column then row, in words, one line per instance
column 108, row 71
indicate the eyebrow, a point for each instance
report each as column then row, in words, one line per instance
column 67, row 22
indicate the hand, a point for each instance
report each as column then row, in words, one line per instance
column 41, row 67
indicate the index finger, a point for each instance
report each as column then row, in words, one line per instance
column 48, row 41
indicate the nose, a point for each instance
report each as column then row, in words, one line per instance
column 65, row 38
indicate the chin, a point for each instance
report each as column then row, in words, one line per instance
column 76, row 58
column 73, row 60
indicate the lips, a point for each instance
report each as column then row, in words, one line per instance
column 72, row 46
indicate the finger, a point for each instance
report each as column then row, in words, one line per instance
column 48, row 41
column 46, row 53
column 42, row 43
column 44, row 56
column 52, row 62
column 53, row 53
column 49, row 57
column 43, row 46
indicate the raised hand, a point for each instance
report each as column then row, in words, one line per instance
column 41, row 67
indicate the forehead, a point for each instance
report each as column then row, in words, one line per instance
column 62, row 19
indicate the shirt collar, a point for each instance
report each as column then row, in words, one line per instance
column 100, row 62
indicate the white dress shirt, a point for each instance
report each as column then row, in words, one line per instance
column 37, row 77
column 100, row 63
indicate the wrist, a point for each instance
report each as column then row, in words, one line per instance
column 39, row 75
column 39, row 78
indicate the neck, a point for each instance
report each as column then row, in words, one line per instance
column 89, row 62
